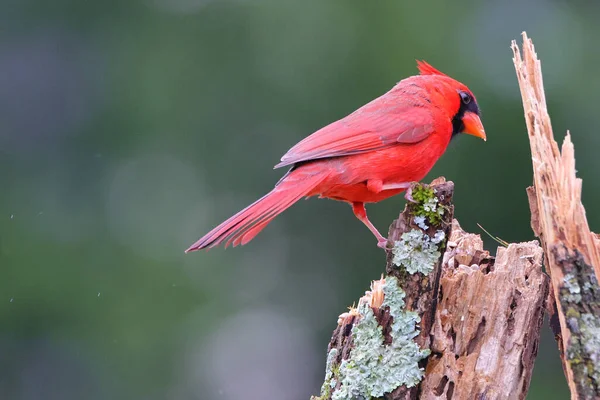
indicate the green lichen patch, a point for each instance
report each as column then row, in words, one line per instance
column 374, row 368
column 422, row 194
column 417, row 252
column 426, row 204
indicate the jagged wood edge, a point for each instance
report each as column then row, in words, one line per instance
column 572, row 251
column 488, row 320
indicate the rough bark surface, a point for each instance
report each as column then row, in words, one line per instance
column 558, row 219
column 479, row 316
column 488, row 320
column 421, row 290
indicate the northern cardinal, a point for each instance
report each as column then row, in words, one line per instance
column 370, row 155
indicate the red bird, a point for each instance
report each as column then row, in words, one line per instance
column 370, row 155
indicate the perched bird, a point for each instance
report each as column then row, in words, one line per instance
column 370, row 155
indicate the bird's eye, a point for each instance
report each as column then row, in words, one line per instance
column 465, row 97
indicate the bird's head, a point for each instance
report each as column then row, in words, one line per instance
column 460, row 100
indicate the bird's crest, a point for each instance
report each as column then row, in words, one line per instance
column 426, row 69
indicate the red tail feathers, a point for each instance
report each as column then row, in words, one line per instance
column 246, row 224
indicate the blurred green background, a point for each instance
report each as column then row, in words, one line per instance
column 130, row 128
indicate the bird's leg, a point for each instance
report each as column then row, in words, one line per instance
column 392, row 186
column 361, row 214
column 376, row 185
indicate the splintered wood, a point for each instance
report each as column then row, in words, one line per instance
column 561, row 214
column 558, row 219
column 487, row 322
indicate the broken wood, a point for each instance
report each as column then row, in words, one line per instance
column 558, row 219
column 448, row 321
column 488, row 320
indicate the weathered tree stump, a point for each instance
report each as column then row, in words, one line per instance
column 447, row 321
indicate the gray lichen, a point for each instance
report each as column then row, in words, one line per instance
column 580, row 300
column 431, row 205
column 590, row 337
column 417, row 252
column 583, row 351
column 374, row 368
column 420, row 222
column 570, row 283
column 330, row 381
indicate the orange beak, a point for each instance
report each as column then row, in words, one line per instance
column 473, row 125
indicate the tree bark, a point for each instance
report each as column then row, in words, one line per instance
column 448, row 321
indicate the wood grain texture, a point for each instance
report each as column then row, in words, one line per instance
column 558, row 218
column 487, row 322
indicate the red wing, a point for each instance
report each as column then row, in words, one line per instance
column 374, row 126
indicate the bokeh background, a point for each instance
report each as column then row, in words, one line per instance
column 130, row 128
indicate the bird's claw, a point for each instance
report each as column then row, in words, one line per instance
column 408, row 195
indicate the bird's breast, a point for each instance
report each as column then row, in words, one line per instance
column 401, row 163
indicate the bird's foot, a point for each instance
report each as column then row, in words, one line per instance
column 408, row 195
column 382, row 243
